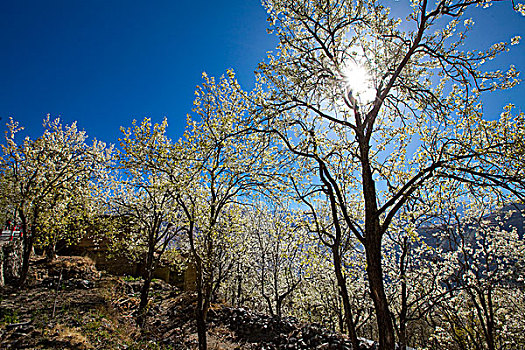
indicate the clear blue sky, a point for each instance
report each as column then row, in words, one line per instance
column 107, row 62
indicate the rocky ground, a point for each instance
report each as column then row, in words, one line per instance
column 68, row 304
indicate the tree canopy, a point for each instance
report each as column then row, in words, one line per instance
column 359, row 184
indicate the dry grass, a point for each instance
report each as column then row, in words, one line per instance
column 64, row 316
column 69, row 337
column 73, row 267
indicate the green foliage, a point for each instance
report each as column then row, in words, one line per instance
column 8, row 316
column 40, row 318
column 131, row 279
column 371, row 126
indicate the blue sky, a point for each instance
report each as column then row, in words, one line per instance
column 107, row 62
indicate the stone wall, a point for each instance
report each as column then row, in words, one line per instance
column 10, row 261
column 119, row 265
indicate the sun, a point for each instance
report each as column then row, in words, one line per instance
column 358, row 83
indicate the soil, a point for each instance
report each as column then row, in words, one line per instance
column 69, row 304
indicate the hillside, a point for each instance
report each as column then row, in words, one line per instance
column 68, row 304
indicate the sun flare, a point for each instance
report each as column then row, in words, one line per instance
column 358, row 83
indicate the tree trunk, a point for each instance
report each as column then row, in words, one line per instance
column 141, row 319
column 2, row 258
column 27, row 248
column 239, row 288
column 201, row 328
column 200, row 308
column 50, row 251
column 200, row 311
column 402, row 317
column 278, row 307
column 26, row 255
column 343, row 291
column 486, row 311
column 147, row 276
column 404, row 297
column 373, row 240
column 490, row 323
column 374, row 271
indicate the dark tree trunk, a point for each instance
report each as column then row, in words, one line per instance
column 403, row 317
column 278, row 307
column 490, row 322
column 374, row 271
column 27, row 248
column 50, row 252
column 144, row 299
column 335, row 248
column 373, row 240
column 404, row 297
column 485, row 312
column 26, row 256
column 343, row 291
column 239, row 288
column 200, row 310
column 147, row 277
column 201, row 307
column 201, row 329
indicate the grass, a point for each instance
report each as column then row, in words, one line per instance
column 100, row 317
column 8, row 316
column 70, row 337
column 131, row 279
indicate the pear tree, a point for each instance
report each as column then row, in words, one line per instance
column 142, row 195
column 44, row 174
column 374, row 107
column 223, row 164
